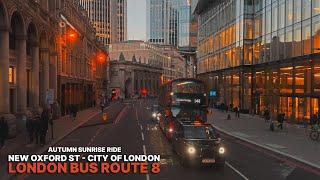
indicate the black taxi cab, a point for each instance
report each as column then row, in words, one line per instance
column 197, row 143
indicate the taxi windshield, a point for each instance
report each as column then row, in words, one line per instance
column 199, row 132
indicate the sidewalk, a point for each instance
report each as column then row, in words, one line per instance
column 62, row 127
column 292, row 142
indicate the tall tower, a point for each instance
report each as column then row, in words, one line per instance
column 109, row 18
column 162, row 22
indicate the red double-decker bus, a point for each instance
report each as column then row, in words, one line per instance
column 182, row 99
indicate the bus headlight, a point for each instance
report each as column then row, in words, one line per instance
column 191, row 150
column 222, row 150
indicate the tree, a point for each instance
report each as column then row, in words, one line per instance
column 121, row 57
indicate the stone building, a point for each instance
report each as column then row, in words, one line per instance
column 32, row 57
column 174, row 66
column 81, row 71
column 135, row 65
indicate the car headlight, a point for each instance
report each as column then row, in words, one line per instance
column 222, row 150
column 191, row 150
column 154, row 115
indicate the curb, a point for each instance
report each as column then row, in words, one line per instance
column 43, row 149
column 268, row 148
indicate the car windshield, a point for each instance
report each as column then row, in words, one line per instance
column 199, row 132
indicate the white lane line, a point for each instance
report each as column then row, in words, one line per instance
column 137, row 115
column 237, row 171
column 144, row 150
column 142, row 136
column 147, row 176
column 141, row 127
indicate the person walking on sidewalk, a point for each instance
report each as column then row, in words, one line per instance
column 4, row 129
column 266, row 115
column 237, row 110
column 43, row 126
column 102, row 106
column 30, row 126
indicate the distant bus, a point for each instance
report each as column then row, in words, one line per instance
column 184, row 93
column 182, row 99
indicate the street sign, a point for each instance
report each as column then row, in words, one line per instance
column 50, row 96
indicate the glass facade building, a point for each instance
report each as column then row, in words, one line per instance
column 109, row 18
column 162, row 22
column 169, row 22
column 262, row 54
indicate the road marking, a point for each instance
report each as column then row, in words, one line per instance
column 144, row 150
column 137, row 116
column 142, row 136
column 276, row 146
column 147, row 176
column 120, row 115
column 237, row 171
column 141, row 127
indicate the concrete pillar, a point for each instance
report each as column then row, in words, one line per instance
column 4, row 69
column 35, row 77
column 21, row 56
column 46, row 74
column 54, row 73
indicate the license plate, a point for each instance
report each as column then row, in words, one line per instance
column 207, row 161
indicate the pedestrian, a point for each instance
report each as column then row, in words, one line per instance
column 102, row 106
column 43, row 126
column 313, row 120
column 30, row 129
column 4, row 130
column 75, row 112
column 318, row 118
column 238, row 112
column 266, row 115
column 280, row 121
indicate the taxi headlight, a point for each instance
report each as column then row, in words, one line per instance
column 191, row 150
column 222, row 150
column 154, row 115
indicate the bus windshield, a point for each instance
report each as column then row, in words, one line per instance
column 192, row 87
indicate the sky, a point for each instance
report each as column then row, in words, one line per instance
column 137, row 20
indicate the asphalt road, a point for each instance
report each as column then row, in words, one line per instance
column 134, row 130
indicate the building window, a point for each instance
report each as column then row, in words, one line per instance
column 316, row 34
column 11, row 75
column 316, row 79
column 297, row 40
column 282, row 16
column 306, row 37
column 288, row 42
column 316, row 7
column 306, row 9
column 297, row 11
column 289, row 12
